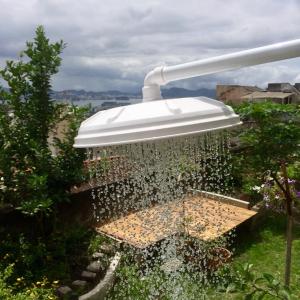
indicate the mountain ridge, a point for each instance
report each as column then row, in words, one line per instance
column 173, row 92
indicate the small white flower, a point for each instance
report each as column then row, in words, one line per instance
column 256, row 188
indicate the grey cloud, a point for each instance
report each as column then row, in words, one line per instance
column 81, row 66
column 111, row 44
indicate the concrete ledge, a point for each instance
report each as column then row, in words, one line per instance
column 101, row 289
column 225, row 199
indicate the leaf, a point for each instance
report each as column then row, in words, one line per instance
column 275, row 283
column 262, row 295
column 221, row 289
column 268, row 277
column 250, row 296
column 285, row 293
column 259, row 280
column 231, row 288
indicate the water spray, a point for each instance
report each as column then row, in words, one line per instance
column 146, row 159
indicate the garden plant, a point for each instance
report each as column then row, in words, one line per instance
column 38, row 169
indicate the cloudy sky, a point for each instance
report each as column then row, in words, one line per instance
column 112, row 44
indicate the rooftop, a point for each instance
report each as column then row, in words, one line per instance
column 266, row 95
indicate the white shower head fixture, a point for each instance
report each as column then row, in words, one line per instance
column 156, row 118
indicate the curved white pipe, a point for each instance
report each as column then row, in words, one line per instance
column 165, row 74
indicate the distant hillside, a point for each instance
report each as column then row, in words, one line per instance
column 180, row 93
column 173, row 92
column 89, row 95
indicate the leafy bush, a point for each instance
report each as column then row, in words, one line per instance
column 31, row 178
column 270, row 141
column 294, row 170
column 269, row 137
column 38, row 291
column 56, row 258
column 243, row 279
column 68, row 161
column 95, row 242
column 36, row 173
column 240, row 282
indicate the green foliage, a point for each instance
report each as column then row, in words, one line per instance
column 136, row 288
column 31, row 178
column 269, row 138
column 257, row 254
column 132, row 284
column 228, row 283
column 265, row 249
column 17, row 291
column 254, row 286
column 33, row 268
column 271, row 134
column 29, row 80
column 96, row 241
column 294, row 170
column 271, row 141
column 37, row 266
column 68, row 161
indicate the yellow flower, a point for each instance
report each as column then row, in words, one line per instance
column 56, row 281
column 19, row 279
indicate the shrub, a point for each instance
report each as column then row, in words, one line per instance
column 31, row 178
column 269, row 148
column 38, row 291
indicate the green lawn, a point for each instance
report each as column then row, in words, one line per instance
column 264, row 247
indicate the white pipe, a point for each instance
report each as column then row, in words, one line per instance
column 165, row 74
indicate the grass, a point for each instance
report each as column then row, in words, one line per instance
column 265, row 249
column 263, row 246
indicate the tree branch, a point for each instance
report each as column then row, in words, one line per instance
column 280, row 185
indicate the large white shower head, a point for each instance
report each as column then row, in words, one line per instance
column 155, row 118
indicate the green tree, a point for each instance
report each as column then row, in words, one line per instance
column 29, row 80
column 29, row 174
column 271, row 139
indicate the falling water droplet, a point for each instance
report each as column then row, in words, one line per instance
column 163, row 174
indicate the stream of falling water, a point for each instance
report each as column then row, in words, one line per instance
column 135, row 177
